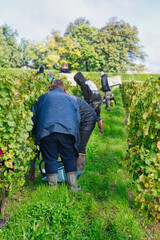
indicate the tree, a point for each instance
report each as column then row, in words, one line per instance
column 4, row 61
column 51, row 57
column 48, row 50
column 83, row 36
column 12, row 52
column 138, row 68
column 29, row 52
column 118, row 43
column 73, row 26
column 113, row 48
column 86, row 37
column 69, row 52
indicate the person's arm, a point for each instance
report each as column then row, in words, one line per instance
column 101, row 85
column 78, row 115
column 86, row 92
column 34, row 118
column 76, row 107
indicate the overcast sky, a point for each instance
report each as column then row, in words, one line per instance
column 35, row 19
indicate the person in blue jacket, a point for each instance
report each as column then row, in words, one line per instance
column 56, row 127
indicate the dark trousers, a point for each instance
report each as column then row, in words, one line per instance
column 84, row 135
column 96, row 105
column 62, row 144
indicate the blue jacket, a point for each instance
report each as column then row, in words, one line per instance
column 57, row 112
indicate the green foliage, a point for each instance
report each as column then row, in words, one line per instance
column 144, row 125
column 128, row 90
column 68, row 52
column 4, row 62
column 143, row 107
column 113, row 48
column 118, row 42
column 104, row 206
column 139, row 77
column 73, row 26
column 9, row 47
column 18, row 93
column 29, row 52
column 103, row 210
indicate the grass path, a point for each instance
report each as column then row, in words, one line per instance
column 103, row 210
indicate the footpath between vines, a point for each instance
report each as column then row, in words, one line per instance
column 105, row 209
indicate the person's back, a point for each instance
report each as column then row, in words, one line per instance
column 64, row 68
column 106, row 89
column 104, row 82
column 57, row 132
column 92, row 96
column 88, row 115
column 89, row 89
column 51, row 114
column 87, row 124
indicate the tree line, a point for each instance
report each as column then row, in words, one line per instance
column 113, row 48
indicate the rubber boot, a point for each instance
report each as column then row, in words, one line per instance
column 52, row 179
column 107, row 105
column 101, row 127
column 72, row 180
column 81, row 162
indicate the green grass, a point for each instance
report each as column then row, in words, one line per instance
column 104, row 209
column 94, row 76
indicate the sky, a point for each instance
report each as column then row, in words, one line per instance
column 35, row 19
